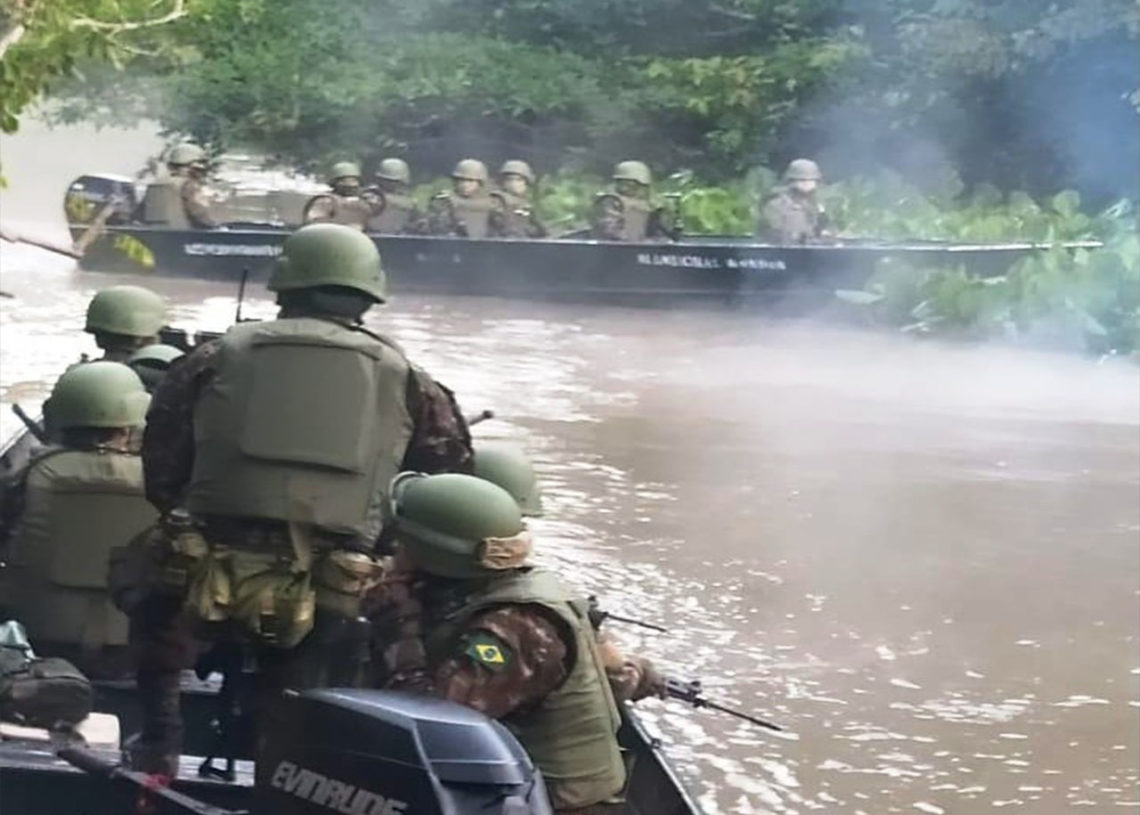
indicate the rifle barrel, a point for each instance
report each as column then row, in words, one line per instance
column 741, row 715
column 33, row 426
column 631, row 621
column 481, row 417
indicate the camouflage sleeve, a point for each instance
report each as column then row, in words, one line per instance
column 663, row 223
column 440, row 440
column 609, row 218
column 197, row 205
column 498, row 225
column 417, row 223
column 12, row 507
column 507, row 659
column 441, row 218
column 631, row 677
column 168, row 440
column 536, row 228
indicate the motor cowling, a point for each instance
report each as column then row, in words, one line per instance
column 358, row 752
column 87, row 195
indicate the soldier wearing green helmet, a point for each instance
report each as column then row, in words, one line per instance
column 124, row 319
column 151, row 363
column 66, row 510
column 482, row 626
column 180, row 199
column 626, row 212
column 345, row 203
column 793, row 214
column 274, row 447
column 468, row 210
column 514, row 214
column 394, row 211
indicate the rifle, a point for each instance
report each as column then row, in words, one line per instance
column 167, row 799
column 33, row 426
column 691, row 693
column 241, row 292
column 481, row 417
column 598, row 616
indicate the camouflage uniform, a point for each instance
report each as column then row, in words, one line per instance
column 350, row 210
column 611, row 224
column 788, row 218
column 515, row 217
column 196, row 203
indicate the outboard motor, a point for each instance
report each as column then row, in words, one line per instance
column 88, row 194
column 361, row 752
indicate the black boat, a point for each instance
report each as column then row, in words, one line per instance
column 718, row 269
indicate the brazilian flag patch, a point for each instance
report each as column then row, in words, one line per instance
column 489, row 651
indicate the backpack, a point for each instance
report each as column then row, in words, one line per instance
column 42, row 692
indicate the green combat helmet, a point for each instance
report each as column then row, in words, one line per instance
column 633, row 171
column 458, row 526
column 186, row 153
column 803, row 169
column 470, row 169
column 394, row 169
column 98, row 394
column 344, row 169
column 516, row 167
column 151, row 361
column 507, row 466
column 329, row 255
column 130, row 311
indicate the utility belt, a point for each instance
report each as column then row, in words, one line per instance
column 266, row 579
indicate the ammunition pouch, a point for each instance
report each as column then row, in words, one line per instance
column 158, row 561
column 341, row 578
column 42, row 692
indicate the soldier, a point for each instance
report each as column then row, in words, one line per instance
column 280, row 440
column 71, row 504
column 180, row 200
column 793, row 215
column 478, row 625
column 468, row 211
column 394, row 211
column 345, row 204
column 625, row 213
column 631, row 677
column 123, row 319
column 514, row 215
column 151, row 363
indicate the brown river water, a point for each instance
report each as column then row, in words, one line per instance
column 924, row 561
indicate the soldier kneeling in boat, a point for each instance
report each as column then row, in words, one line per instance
column 394, row 211
column 468, row 211
column 793, row 214
column 345, row 204
column 515, row 216
column 180, row 200
column 67, row 509
column 269, row 453
column 625, row 212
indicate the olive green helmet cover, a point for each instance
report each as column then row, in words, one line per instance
column 344, row 169
column 454, row 525
column 98, row 394
column 470, row 169
column 633, row 171
column 186, row 153
column 129, row 310
column 516, row 167
column 803, row 169
column 329, row 255
column 394, row 169
column 156, row 355
column 508, row 467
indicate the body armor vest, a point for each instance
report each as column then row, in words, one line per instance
column 305, row 421
column 352, row 211
column 395, row 211
column 517, row 218
column 470, row 216
column 162, row 204
column 636, row 213
column 80, row 504
column 572, row 734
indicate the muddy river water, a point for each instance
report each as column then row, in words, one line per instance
column 924, row 561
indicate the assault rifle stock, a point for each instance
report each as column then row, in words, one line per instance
column 691, row 693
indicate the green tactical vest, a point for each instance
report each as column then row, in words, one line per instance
column 79, row 505
column 306, row 420
column 572, row 735
column 162, row 203
column 351, row 211
column 516, row 211
column 394, row 215
column 635, row 217
column 474, row 213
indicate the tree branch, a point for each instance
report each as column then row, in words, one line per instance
column 175, row 13
column 11, row 37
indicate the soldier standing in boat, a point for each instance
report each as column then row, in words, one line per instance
column 794, row 215
column 180, row 199
column 394, row 211
column 269, row 453
column 468, row 211
column 345, row 204
column 625, row 212
column 476, row 623
column 515, row 216
column 62, row 515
